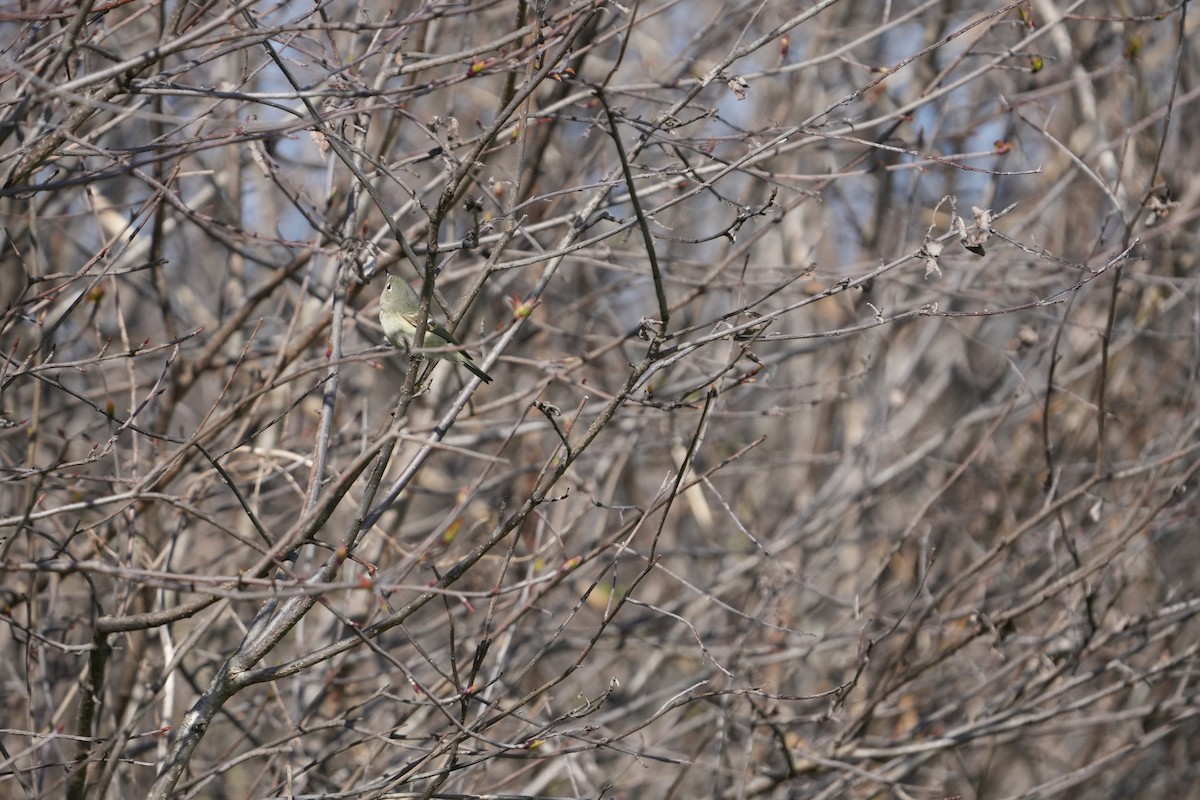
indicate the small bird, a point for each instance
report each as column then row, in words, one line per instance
column 398, row 315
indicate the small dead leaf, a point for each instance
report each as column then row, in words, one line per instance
column 929, row 253
column 975, row 237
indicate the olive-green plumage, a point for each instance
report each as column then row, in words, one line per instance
column 398, row 315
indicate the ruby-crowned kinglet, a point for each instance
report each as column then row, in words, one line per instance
column 398, row 315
